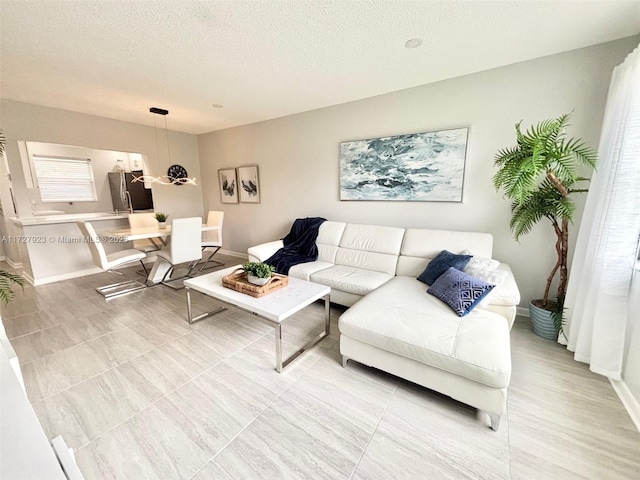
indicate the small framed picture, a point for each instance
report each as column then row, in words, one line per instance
column 228, row 185
column 248, row 184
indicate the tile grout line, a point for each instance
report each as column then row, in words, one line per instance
column 212, row 459
column 155, row 347
column 188, row 381
column 152, row 403
column 375, row 429
column 91, row 442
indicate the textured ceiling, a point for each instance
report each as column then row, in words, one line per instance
column 266, row 59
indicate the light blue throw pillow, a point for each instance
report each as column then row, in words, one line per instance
column 441, row 263
column 460, row 291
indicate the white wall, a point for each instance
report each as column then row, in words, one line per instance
column 7, row 250
column 298, row 155
column 27, row 122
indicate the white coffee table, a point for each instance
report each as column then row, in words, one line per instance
column 273, row 309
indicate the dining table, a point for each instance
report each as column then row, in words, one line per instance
column 159, row 236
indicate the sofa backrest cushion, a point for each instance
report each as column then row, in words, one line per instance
column 370, row 247
column 420, row 246
column 328, row 240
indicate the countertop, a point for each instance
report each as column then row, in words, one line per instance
column 68, row 218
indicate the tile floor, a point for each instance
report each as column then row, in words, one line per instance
column 140, row 393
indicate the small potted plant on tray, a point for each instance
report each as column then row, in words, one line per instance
column 162, row 219
column 258, row 273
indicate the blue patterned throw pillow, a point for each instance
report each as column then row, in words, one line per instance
column 459, row 290
column 439, row 265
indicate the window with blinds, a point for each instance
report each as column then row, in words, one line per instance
column 65, row 179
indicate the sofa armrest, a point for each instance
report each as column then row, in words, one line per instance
column 261, row 252
column 506, row 292
column 504, row 298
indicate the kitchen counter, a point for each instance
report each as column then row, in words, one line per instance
column 52, row 248
column 68, row 218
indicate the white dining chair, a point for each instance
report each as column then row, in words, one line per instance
column 142, row 220
column 108, row 262
column 212, row 239
column 184, row 247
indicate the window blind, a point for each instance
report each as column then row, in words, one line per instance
column 65, row 179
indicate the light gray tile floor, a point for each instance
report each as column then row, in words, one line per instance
column 140, row 393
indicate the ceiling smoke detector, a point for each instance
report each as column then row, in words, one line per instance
column 413, row 43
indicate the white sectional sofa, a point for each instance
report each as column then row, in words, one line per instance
column 394, row 325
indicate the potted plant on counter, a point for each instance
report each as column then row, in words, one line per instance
column 539, row 175
column 258, row 273
column 162, row 219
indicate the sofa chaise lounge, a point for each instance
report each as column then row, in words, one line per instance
column 394, row 325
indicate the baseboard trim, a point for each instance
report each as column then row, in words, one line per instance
column 234, row 254
column 28, row 278
column 66, row 276
column 12, row 264
column 522, row 311
column 631, row 403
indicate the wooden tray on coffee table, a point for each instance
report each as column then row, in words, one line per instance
column 238, row 281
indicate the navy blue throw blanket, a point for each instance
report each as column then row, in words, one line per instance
column 299, row 245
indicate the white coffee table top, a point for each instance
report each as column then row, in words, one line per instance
column 276, row 306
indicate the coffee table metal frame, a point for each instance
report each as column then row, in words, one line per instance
column 277, row 325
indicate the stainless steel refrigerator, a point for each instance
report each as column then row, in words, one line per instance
column 126, row 194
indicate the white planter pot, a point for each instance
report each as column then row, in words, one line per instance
column 162, row 224
column 257, row 280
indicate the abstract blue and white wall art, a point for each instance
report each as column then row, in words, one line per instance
column 420, row 167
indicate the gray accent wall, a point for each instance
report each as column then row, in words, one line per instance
column 298, row 155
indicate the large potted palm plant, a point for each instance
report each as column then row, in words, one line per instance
column 539, row 176
column 7, row 278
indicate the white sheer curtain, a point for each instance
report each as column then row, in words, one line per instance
column 597, row 298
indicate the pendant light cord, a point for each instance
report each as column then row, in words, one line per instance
column 166, row 131
column 155, row 131
column 163, row 179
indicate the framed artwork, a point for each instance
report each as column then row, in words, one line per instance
column 249, row 184
column 417, row 167
column 228, row 185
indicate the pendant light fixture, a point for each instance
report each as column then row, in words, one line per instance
column 177, row 174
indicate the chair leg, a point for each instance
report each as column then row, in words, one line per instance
column 170, row 272
column 144, row 267
column 214, row 263
column 120, row 288
column 192, row 265
column 167, row 274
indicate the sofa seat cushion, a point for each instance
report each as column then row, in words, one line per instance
column 350, row 279
column 402, row 318
column 303, row 271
